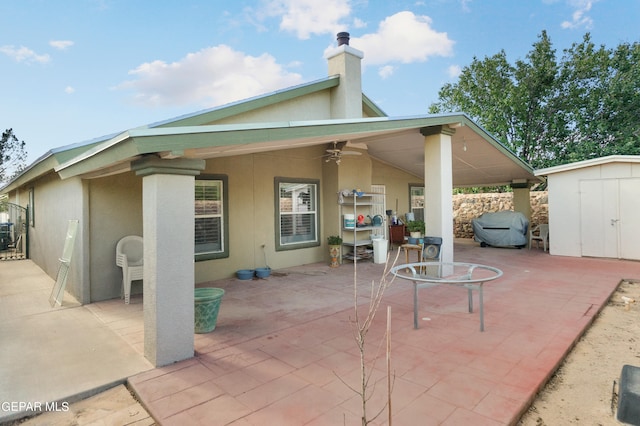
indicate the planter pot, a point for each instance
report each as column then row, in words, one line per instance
column 334, row 254
column 416, row 234
column 207, row 305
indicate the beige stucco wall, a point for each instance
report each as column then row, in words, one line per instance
column 314, row 106
column 115, row 206
column 55, row 203
column 396, row 184
column 111, row 207
column 252, row 210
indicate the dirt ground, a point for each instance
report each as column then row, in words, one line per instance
column 582, row 390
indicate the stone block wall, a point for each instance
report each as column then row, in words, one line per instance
column 470, row 206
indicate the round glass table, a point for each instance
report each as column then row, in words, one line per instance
column 471, row 276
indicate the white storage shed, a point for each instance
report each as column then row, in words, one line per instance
column 594, row 207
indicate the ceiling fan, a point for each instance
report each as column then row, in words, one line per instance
column 335, row 152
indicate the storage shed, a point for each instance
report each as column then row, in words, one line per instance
column 593, row 207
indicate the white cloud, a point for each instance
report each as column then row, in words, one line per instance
column 307, row 17
column 210, row 77
column 465, row 5
column 24, row 54
column 69, row 90
column 454, row 71
column 386, row 71
column 405, row 38
column 579, row 18
column 61, row 44
column 358, row 23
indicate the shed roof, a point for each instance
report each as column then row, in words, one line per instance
column 588, row 163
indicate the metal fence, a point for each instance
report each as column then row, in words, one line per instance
column 14, row 232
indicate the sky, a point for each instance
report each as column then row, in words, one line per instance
column 75, row 70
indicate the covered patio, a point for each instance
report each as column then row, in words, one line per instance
column 283, row 351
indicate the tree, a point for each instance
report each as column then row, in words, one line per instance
column 552, row 113
column 601, row 101
column 12, row 156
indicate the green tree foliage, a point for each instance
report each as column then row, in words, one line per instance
column 12, row 156
column 549, row 113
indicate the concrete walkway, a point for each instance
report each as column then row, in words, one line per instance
column 283, row 350
column 53, row 356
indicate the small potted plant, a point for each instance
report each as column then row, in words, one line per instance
column 416, row 230
column 335, row 243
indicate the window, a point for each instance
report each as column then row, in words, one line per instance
column 31, row 208
column 297, row 213
column 416, row 201
column 211, row 225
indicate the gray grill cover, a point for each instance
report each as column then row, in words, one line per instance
column 501, row 229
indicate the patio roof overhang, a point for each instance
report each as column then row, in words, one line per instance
column 478, row 159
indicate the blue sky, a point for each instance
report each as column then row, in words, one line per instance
column 75, row 70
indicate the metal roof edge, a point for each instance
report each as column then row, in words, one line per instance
column 588, row 163
column 371, row 108
column 95, row 150
column 44, row 164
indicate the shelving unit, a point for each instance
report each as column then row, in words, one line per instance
column 355, row 246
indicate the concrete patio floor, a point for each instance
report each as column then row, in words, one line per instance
column 55, row 355
column 283, row 350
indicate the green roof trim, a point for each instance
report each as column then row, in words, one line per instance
column 370, row 108
column 137, row 142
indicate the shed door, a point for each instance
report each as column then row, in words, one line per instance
column 609, row 223
column 629, row 218
column 598, row 217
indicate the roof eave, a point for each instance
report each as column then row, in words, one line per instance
column 147, row 141
column 588, row 163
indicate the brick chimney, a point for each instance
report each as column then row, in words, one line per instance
column 344, row 60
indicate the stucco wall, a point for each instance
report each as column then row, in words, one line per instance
column 55, row 203
column 314, row 106
column 251, row 210
column 115, row 205
column 396, row 186
column 469, row 206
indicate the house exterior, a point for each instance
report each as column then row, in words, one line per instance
column 593, row 207
column 235, row 172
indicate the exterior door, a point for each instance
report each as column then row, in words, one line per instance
column 629, row 218
column 379, row 207
column 609, row 223
column 598, row 217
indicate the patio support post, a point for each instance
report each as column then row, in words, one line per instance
column 168, row 233
column 438, row 186
column 522, row 199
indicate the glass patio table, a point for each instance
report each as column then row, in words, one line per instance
column 471, row 276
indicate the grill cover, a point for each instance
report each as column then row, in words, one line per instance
column 501, row 229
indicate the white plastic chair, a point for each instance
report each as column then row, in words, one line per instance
column 129, row 256
column 539, row 234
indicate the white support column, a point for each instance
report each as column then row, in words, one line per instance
column 438, row 187
column 168, row 285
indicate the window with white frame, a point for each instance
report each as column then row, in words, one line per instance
column 211, row 227
column 296, row 213
column 416, row 200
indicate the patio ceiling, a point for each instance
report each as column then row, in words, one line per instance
column 478, row 159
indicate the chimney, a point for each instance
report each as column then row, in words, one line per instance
column 343, row 38
column 345, row 61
